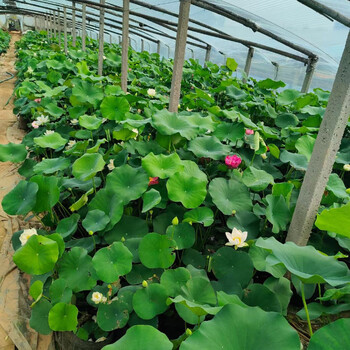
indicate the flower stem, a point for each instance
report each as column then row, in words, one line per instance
column 306, row 309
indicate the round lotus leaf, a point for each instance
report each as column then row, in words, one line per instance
column 90, row 122
column 183, row 234
column 150, row 301
column 39, row 317
column 229, row 195
column 127, row 182
column 87, row 166
column 112, row 262
column 63, row 317
column 248, row 331
column 51, row 166
column 192, row 169
column 227, row 261
column 13, row 153
column 199, row 290
column 286, row 120
column 256, row 179
column 59, row 292
column 174, row 280
column 287, row 96
column 209, row 147
column 53, row 141
column 38, row 256
column 112, row 315
column 77, row 269
column 229, row 131
column 156, row 251
column 150, row 199
column 68, row 226
column 202, row 215
column 21, row 200
column 333, row 336
column 162, row 166
column 115, row 108
column 142, row 337
column 84, row 93
column 96, row 220
column 188, row 190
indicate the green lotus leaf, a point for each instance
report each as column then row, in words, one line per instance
column 238, row 265
column 168, row 123
column 66, row 227
column 336, row 185
column 308, row 264
column 39, row 317
column 189, row 310
column 229, row 131
column 277, row 212
column 150, row 301
column 63, row 317
column 22, row 199
column 51, row 166
column 115, row 108
column 305, row 145
column 297, row 161
column 335, row 220
column 246, row 331
column 245, row 221
column 161, row 165
column 333, row 336
column 90, row 122
column 87, row 166
column 192, row 169
column 199, row 290
column 112, row 262
column 13, row 153
column 236, row 93
column 156, row 251
column 286, row 120
column 48, row 193
column 38, row 256
column 52, row 108
column 174, row 280
column 209, row 147
column 77, row 269
column 183, row 234
column 287, row 97
column 110, row 204
column 129, row 183
column 281, row 287
column 150, row 199
column 60, row 292
column 53, row 141
column 113, row 315
column 95, row 220
column 202, row 215
column 188, row 190
column 270, row 84
column 84, row 92
column 142, row 337
column 229, row 195
column 256, row 179
column 231, row 64
column 36, row 290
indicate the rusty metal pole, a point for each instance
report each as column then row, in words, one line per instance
column 323, row 156
column 180, row 50
column 125, row 45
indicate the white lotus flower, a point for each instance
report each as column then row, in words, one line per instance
column 26, row 235
column 97, row 297
column 111, row 166
column 42, row 119
column 74, row 121
column 151, row 92
column 49, row 132
column 135, row 131
column 30, row 70
column 237, row 238
column 104, row 57
column 346, row 167
column 71, row 144
column 104, row 300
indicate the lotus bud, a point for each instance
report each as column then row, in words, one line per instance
column 175, row 221
column 123, row 239
column 144, row 284
column 346, row 167
column 91, row 233
column 234, row 212
column 188, row 332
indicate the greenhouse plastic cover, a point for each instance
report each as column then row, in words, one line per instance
column 287, row 19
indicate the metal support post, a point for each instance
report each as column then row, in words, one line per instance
column 83, row 27
column 101, row 38
column 35, row 23
column 180, row 50
column 248, row 62
column 142, row 45
column 323, row 156
column 54, row 24
column 158, row 47
column 207, row 53
column 59, row 27
column 125, row 45
column 47, row 27
column 110, row 38
column 74, row 33
column 310, row 69
column 65, row 30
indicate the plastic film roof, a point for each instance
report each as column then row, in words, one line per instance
column 274, row 28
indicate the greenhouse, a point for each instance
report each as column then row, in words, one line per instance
column 175, row 174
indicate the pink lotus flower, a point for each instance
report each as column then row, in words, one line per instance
column 35, row 124
column 37, row 100
column 233, row 161
column 153, row 181
column 249, row 131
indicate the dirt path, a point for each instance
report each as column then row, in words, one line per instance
column 14, row 310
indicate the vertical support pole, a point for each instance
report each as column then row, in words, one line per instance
column 125, row 45
column 207, row 53
column 74, row 32
column 101, row 38
column 35, row 23
column 119, row 39
column 323, row 156
column 248, row 62
column 47, row 27
column 83, row 25
column 310, row 69
column 54, row 24
column 158, row 47
column 179, row 59
column 110, row 38
column 142, row 45
column 59, row 27
column 65, row 30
